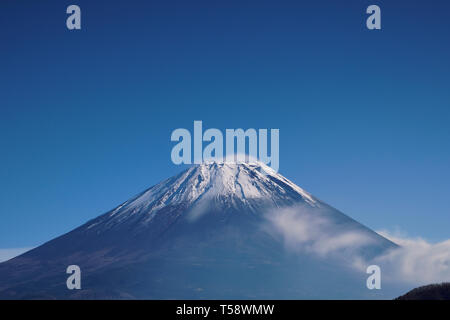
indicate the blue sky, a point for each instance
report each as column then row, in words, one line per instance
column 86, row 116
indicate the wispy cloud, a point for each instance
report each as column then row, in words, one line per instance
column 415, row 262
column 7, row 254
column 308, row 230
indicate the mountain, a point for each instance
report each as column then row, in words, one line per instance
column 429, row 292
column 216, row 230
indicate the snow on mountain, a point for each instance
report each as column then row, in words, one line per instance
column 232, row 184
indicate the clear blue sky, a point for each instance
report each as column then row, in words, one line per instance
column 86, row 116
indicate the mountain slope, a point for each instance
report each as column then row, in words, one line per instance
column 429, row 292
column 214, row 231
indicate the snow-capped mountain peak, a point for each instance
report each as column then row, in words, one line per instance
column 252, row 184
column 227, row 227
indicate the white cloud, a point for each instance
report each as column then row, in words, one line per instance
column 417, row 261
column 7, row 254
column 303, row 229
